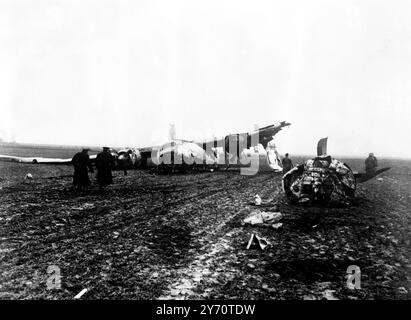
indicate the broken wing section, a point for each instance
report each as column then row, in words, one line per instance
column 235, row 144
column 363, row 177
column 38, row 160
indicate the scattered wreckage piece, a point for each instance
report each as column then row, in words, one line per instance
column 257, row 200
column 80, row 294
column 256, row 240
column 277, row 225
column 323, row 180
column 270, row 204
column 261, row 218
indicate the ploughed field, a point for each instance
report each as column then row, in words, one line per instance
column 181, row 236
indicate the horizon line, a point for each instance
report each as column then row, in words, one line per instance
column 77, row 146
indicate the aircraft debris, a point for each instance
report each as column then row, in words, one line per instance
column 323, row 180
column 319, row 180
column 277, row 226
column 329, row 295
column 182, row 155
column 29, row 176
column 273, row 158
column 261, row 218
column 257, row 200
column 80, row 294
column 261, row 242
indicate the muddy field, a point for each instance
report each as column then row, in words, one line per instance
column 181, row 237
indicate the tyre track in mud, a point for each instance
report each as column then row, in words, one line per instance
column 207, row 263
column 35, row 209
column 70, row 226
column 213, row 189
column 176, row 197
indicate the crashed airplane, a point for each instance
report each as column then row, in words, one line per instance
column 323, row 180
column 233, row 150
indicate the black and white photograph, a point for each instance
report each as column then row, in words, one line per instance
column 219, row 150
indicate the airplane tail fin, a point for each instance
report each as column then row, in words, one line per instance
column 322, row 147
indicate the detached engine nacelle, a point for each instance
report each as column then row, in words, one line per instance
column 128, row 158
column 320, row 180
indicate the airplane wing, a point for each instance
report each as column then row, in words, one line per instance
column 245, row 140
column 266, row 134
column 40, row 160
column 242, row 141
column 363, row 177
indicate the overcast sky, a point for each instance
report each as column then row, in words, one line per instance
column 118, row 73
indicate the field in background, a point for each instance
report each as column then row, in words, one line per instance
column 26, row 150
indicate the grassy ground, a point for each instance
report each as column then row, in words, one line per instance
column 181, row 237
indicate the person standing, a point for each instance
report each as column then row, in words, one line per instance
column 81, row 161
column 104, row 165
column 287, row 163
column 126, row 161
column 370, row 164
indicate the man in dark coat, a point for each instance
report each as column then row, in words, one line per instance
column 370, row 164
column 104, row 164
column 287, row 163
column 81, row 161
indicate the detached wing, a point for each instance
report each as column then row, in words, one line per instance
column 40, row 160
column 363, row 177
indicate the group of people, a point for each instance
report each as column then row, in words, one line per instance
column 82, row 165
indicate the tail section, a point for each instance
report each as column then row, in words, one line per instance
column 322, row 147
